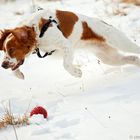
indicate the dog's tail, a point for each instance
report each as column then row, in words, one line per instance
column 116, row 38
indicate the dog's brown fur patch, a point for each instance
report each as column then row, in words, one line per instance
column 67, row 21
column 42, row 22
column 137, row 2
column 3, row 35
column 89, row 34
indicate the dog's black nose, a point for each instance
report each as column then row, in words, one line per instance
column 5, row 65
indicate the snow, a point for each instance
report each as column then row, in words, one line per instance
column 102, row 105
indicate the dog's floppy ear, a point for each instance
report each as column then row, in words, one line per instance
column 21, row 34
column 25, row 35
column 3, row 35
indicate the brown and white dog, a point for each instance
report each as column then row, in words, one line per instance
column 64, row 30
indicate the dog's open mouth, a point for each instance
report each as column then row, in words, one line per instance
column 14, row 67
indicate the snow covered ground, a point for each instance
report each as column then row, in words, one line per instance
column 103, row 105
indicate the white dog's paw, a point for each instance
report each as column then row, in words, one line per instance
column 19, row 74
column 76, row 72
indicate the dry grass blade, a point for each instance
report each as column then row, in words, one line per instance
column 2, row 124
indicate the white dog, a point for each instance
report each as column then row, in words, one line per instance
column 63, row 30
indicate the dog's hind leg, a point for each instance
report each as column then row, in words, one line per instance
column 112, row 56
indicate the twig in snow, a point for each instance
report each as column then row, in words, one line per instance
column 93, row 116
column 15, row 132
column 12, row 121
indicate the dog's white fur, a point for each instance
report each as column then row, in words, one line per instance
column 108, row 52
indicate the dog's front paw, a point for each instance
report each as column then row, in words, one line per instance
column 19, row 74
column 74, row 71
column 77, row 72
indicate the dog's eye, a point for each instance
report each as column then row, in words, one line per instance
column 11, row 50
column 28, row 47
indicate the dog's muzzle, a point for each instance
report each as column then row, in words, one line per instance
column 7, row 64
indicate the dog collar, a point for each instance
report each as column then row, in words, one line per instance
column 43, row 30
column 46, row 26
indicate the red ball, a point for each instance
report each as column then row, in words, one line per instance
column 39, row 110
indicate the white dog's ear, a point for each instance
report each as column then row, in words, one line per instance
column 3, row 35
